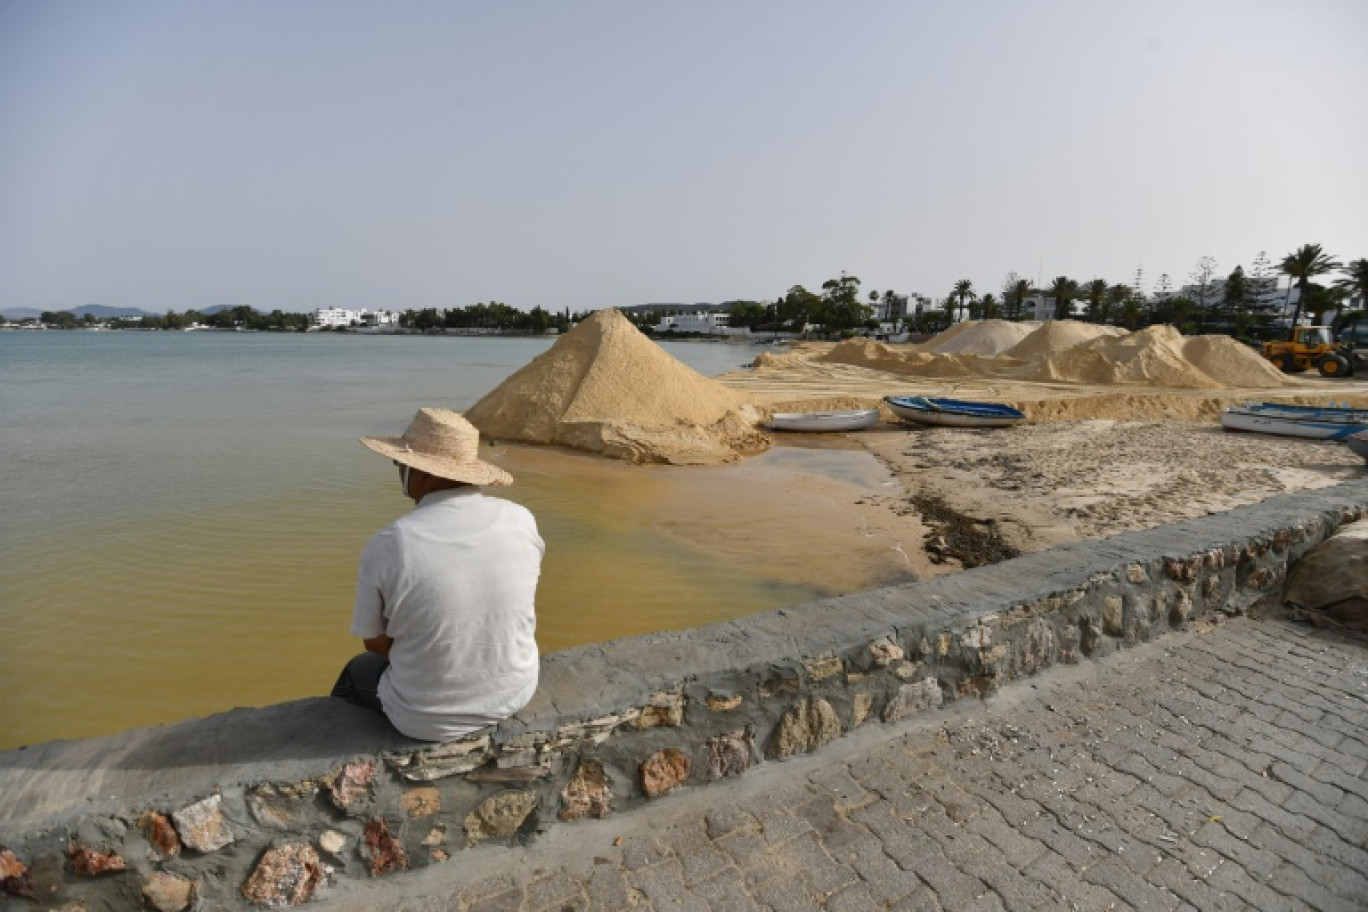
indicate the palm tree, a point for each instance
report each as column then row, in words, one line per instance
column 1063, row 289
column 1303, row 265
column 989, row 307
column 964, row 291
column 1117, row 295
column 1015, row 296
column 1356, row 280
column 1097, row 295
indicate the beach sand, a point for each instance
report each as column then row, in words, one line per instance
column 1122, row 433
column 1092, row 460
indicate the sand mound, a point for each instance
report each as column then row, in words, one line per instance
column 606, row 388
column 1157, row 356
column 1058, row 335
column 1067, row 351
column 986, row 337
column 880, row 357
column 1231, row 362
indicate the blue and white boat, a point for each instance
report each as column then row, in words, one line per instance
column 1314, row 422
column 953, row 412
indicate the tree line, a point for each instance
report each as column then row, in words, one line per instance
column 1243, row 303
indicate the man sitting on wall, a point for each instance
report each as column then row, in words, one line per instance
column 445, row 594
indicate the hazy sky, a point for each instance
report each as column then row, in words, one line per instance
column 586, row 154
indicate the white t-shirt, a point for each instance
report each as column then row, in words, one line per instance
column 453, row 582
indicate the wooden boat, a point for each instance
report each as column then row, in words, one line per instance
column 1358, row 443
column 824, row 422
column 1313, row 422
column 953, row 412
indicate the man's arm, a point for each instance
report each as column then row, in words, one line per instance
column 379, row 645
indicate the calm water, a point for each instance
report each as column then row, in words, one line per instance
column 182, row 514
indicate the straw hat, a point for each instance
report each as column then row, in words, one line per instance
column 442, row 443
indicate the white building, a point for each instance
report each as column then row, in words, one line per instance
column 336, row 316
column 715, row 323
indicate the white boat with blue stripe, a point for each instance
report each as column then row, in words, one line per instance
column 1314, row 422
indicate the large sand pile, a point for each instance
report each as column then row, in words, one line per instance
column 606, row 388
column 1070, row 352
column 986, row 337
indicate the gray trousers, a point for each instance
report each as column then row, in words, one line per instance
column 359, row 681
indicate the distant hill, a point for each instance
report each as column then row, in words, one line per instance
column 21, row 313
column 104, row 312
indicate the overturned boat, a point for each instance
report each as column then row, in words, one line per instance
column 953, row 412
column 824, row 422
column 1314, row 422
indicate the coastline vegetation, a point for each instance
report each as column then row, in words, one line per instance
column 1245, row 304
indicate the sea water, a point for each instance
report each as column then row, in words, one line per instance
column 182, row 513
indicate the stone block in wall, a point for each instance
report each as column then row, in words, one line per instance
column 499, row 816
column 167, row 892
column 883, row 652
column 594, row 731
column 332, row 842
column 1094, row 643
column 201, row 825
column 1069, row 644
column 723, row 702
column 1139, row 617
column 1113, row 616
column 286, row 875
column 381, row 849
column 452, row 758
column 860, row 706
column 662, row 709
column 806, row 726
column 822, row 667
column 663, row 771
column 352, row 788
column 730, row 754
column 15, row 877
column 913, row 698
column 421, row 802
column 1038, row 646
column 89, row 862
column 281, row 807
column 1180, row 607
column 161, row 834
column 587, row 794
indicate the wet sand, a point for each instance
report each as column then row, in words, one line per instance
column 1091, row 461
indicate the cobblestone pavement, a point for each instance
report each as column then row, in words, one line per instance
column 1220, row 769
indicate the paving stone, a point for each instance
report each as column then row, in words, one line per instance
column 557, row 888
column 1231, row 878
column 825, row 874
column 788, row 894
column 723, row 893
column 607, row 888
column 855, row 898
column 663, row 886
column 1344, row 880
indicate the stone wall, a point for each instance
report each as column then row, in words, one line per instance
column 268, row 807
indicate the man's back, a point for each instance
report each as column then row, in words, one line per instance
column 453, row 583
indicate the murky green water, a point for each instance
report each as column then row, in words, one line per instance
column 182, row 513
